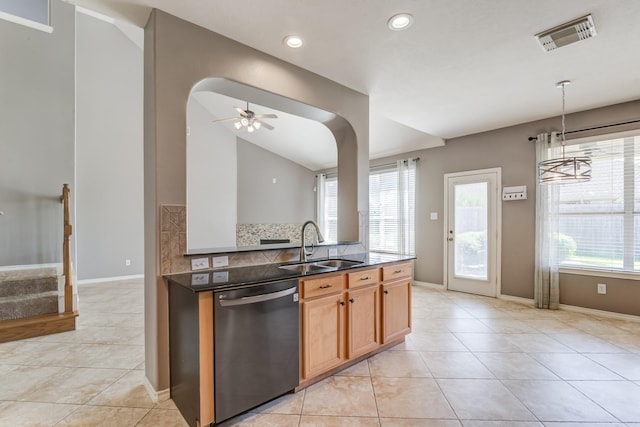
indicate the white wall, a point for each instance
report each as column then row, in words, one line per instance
column 211, row 181
column 109, row 163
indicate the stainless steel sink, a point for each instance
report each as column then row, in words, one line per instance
column 304, row 267
column 337, row 263
column 319, row 266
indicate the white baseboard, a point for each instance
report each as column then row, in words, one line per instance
column 519, row 300
column 602, row 313
column 110, row 279
column 156, row 395
column 429, row 285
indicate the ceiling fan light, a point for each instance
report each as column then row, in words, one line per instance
column 250, row 128
column 400, row 21
column 293, row 42
column 256, row 125
column 237, row 125
column 244, row 121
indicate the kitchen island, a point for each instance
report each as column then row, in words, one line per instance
column 347, row 310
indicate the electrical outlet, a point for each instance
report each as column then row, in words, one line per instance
column 602, row 288
column 127, row 262
column 220, row 261
column 199, row 263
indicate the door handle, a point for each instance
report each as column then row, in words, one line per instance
column 258, row 298
column 450, row 239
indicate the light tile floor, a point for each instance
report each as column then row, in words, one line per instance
column 470, row 361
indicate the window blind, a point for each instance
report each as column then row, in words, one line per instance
column 329, row 209
column 392, row 208
column 599, row 220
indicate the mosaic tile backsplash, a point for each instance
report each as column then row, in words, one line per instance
column 252, row 234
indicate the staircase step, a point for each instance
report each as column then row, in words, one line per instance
column 17, row 307
column 28, row 286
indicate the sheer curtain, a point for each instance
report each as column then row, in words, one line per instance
column 320, row 202
column 406, row 206
column 547, row 291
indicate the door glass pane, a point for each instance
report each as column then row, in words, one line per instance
column 471, row 254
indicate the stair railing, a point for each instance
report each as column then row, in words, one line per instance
column 66, row 257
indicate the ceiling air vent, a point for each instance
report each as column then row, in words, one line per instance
column 571, row 32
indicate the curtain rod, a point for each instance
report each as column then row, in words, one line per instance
column 376, row 166
column 391, row 164
column 533, row 138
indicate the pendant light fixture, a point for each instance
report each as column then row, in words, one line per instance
column 565, row 169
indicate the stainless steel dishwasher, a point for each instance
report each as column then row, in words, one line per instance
column 256, row 346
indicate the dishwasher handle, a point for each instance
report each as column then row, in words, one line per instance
column 257, row 298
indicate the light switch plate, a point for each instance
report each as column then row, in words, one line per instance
column 220, row 261
column 199, row 263
column 434, row 215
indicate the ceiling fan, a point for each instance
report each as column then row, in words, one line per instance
column 250, row 120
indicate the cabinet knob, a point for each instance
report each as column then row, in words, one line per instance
column 341, row 302
column 351, row 300
column 386, row 292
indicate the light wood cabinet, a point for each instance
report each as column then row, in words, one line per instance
column 323, row 334
column 345, row 316
column 363, row 316
column 396, row 309
column 397, row 271
column 363, row 277
column 324, row 285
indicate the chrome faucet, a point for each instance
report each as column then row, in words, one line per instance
column 303, row 251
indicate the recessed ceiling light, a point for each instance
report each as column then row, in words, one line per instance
column 293, row 42
column 400, row 22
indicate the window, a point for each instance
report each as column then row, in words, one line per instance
column 30, row 13
column 392, row 208
column 599, row 220
column 327, row 206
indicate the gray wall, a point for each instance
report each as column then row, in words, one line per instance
column 179, row 54
column 34, row 10
column 36, row 137
column 509, row 149
column 109, row 94
column 289, row 200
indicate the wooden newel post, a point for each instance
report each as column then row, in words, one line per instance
column 66, row 257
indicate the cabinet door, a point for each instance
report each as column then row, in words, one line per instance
column 323, row 334
column 396, row 309
column 363, row 319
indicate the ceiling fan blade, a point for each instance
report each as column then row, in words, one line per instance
column 226, row 120
column 242, row 112
column 266, row 116
column 265, row 124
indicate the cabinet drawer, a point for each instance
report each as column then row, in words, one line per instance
column 397, row 271
column 363, row 277
column 322, row 286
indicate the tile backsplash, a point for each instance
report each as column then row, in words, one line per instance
column 173, row 243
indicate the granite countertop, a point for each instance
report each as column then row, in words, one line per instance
column 222, row 279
